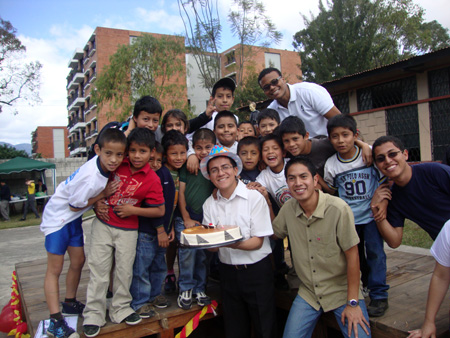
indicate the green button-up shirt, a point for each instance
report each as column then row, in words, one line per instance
column 318, row 248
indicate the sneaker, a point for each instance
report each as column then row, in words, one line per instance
column 202, row 299
column 91, row 330
column 146, row 311
column 60, row 329
column 23, row 219
column 72, row 308
column 160, row 302
column 184, row 300
column 170, row 284
column 377, row 307
column 133, row 319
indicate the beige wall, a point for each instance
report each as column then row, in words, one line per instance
column 371, row 125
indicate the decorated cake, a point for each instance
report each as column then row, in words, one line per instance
column 208, row 236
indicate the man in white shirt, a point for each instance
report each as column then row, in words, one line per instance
column 309, row 101
column 246, row 276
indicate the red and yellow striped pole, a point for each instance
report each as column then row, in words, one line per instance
column 193, row 323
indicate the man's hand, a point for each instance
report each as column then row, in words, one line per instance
column 190, row 223
column 428, row 330
column 254, row 185
column 367, row 154
column 163, row 239
column 380, row 201
column 101, row 210
column 111, row 188
column 354, row 317
column 192, row 164
column 124, row 210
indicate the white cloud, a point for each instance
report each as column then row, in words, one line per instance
column 161, row 18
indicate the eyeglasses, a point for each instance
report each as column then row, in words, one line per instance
column 273, row 82
column 382, row 158
column 224, row 167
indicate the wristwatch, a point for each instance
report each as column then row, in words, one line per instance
column 353, row 303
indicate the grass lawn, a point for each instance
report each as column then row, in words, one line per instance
column 414, row 235
column 15, row 221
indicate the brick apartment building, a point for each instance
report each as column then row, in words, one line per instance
column 50, row 142
column 86, row 119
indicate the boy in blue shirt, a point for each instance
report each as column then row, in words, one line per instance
column 346, row 173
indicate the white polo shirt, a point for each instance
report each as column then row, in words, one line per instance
column 310, row 102
column 86, row 182
column 441, row 246
column 248, row 209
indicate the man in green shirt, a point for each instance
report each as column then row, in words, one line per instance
column 324, row 241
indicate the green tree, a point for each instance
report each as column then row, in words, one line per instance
column 7, row 152
column 203, row 32
column 249, row 90
column 350, row 36
column 250, row 24
column 148, row 66
column 19, row 81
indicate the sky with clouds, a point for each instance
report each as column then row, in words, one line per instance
column 51, row 31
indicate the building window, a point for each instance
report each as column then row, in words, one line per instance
column 341, row 102
column 439, row 82
column 272, row 60
column 230, row 58
column 387, row 94
column 403, row 122
column 440, row 121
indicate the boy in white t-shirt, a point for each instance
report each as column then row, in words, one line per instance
column 61, row 224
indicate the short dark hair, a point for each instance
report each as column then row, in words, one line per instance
column 266, row 71
column 159, row 148
column 247, row 122
column 142, row 136
column 292, row 124
column 173, row 138
column 344, row 121
column 148, row 104
column 224, row 113
column 176, row 113
column 273, row 136
column 268, row 113
column 247, row 141
column 305, row 160
column 113, row 135
column 385, row 139
column 204, row 134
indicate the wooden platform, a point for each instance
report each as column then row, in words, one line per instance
column 408, row 276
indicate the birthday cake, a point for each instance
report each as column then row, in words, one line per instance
column 201, row 236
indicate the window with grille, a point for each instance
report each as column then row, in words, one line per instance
column 341, row 102
column 403, row 122
column 439, row 82
column 440, row 122
column 387, row 94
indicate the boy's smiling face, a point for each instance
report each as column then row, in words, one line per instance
column 266, row 126
column 174, row 123
column 147, row 120
column 273, row 155
column 245, row 129
column 202, row 148
column 110, row 155
column 156, row 161
column 249, row 155
column 176, row 156
column 226, row 131
column 295, row 143
column 343, row 141
column 223, row 99
column 139, row 155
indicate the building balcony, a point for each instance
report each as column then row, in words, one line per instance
column 77, row 147
column 93, row 64
column 86, row 61
column 73, row 64
column 77, row 126
column 75, row 81
column 78, row 54
column 91, row 134
column 77, row 102
column 92, row 51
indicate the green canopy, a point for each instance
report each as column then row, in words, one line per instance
column 19, row 164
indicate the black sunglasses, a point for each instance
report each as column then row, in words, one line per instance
column 273, row 82
column 382, row 158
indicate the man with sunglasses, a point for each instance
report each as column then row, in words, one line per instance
column 309, row 101
column 420, row 193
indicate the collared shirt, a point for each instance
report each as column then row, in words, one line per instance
column 318, row 248
column 310, row 102
column 247, row 209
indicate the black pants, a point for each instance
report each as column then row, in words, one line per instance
column 248, row 298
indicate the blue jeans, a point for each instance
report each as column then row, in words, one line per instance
column 303, row 318
column 192, row 264
column 149, row 270
column 375, row 258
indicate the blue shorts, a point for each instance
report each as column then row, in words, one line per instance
column 71, row 234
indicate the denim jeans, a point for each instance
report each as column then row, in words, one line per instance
column 376, row 260
column 303, row 318
column 192, row 264
column 149, row 270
